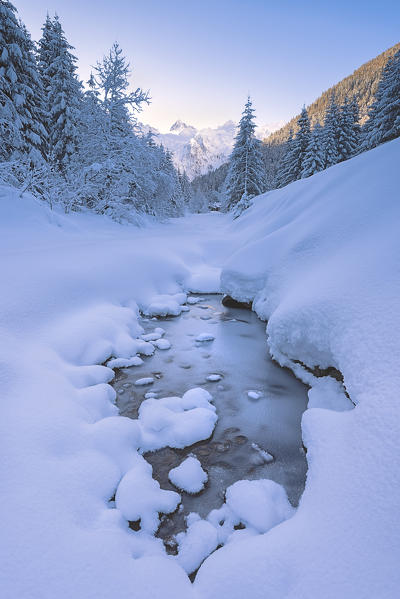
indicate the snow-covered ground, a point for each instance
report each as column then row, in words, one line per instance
column 321, row 260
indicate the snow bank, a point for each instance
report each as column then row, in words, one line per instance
column 320, row 261
column 72, row 287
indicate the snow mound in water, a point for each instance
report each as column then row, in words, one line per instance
column 177, row 421
column 144, row 381
column 162, row 344
column 202, row 337
column 124, row 362
column 189, row 476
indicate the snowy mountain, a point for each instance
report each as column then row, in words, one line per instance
column 198, row 150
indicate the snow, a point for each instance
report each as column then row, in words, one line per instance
column 258, row 504
column 254, row 394
column 329, row 394
column 214, row 378
column 144, row 381
column 165, row 305
column 319, row 261
column 202, row 337
column 162, row 344
column 194, row 545
column 72, row 288
column 189, row 476
column 262, row 455
column 124, row 362
column 139, row 497
column 177, row 421
column 194, row 300
column 151, row 336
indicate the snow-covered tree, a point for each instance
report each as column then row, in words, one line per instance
column 286, row 172
column 348, row 136
column 62, row 93
column 33, row 113
column 185, row 187
column 331, row 133
column 22, row 134
column 292, row 161
column 112, row 76
column 384, row 115
column 11, row 96
column 246, row 170
column 314, row 159
column 300, row 144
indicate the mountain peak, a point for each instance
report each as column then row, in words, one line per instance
column 180, row 127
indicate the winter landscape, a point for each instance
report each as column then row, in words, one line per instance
column 200, row 300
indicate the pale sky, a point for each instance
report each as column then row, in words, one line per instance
column 200, row 59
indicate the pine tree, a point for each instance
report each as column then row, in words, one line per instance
column 62, row 93
column 356, row 124
column 185, row 187
column 21, row 96
column 293, row 159
column 285, row 173
column 33, row 112
column 246, row 170
column 11, row 89
column 314, row 156
column 347, row 137
column 331, row 134
column 384, row 114
column 300, row 144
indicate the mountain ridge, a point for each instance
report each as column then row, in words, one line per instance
column 197, row 151
column 362, row 83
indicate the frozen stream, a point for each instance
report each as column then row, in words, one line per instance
column 239, row 354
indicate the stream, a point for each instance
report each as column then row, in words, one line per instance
column 269, row 419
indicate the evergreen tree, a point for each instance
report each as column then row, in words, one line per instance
column 314, row 156
column 331, row 133
column 21, row 98
column 384, row 115
column 300, row 144
column 11, row 88
column 62, row 93
column 285, row 173
column 347, row 132
column 293, row 159
column 246, row 170
column 33, row 113
column 356, row 124
column 185, row 187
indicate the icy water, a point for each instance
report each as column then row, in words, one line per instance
column 239, row 355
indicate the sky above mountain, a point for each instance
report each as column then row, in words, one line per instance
column 201, row 59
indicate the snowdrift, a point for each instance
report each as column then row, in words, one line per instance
column 320, row 259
